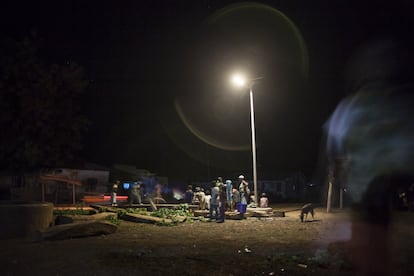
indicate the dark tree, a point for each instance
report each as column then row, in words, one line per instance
column 40, row 119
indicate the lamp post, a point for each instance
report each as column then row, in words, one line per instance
column 240, row 81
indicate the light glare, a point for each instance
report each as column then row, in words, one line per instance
column 238, row 80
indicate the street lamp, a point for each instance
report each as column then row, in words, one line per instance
column 241, row 81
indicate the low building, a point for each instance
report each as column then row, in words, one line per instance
column 65, row 185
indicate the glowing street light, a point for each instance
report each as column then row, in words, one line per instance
column 240, row 81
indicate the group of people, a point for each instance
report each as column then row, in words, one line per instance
column 223, row 196
column 136, row 193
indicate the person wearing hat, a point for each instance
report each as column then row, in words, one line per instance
column 243, row 189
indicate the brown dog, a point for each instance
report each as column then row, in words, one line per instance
column 307, row 208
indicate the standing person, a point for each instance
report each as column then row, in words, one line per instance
column 135, row 193
column 229, row 189
column 243, row 189
column 158, row 191
column 214, row 200
column 208, row 199
column 114, row 192
column 264, row 201
column 236, row 198
column 219, row 181
column 189, row 194
column 223, row 201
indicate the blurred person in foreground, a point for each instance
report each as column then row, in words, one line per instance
column 373, row 130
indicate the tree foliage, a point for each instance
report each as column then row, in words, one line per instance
column 40, row 114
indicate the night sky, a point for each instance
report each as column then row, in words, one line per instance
column 148, row 62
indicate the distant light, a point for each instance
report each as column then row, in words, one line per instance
column 177, row 194
column 238, row 80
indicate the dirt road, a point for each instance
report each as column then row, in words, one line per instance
column 267, row 246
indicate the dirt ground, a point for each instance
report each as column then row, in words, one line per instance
column 253, row 246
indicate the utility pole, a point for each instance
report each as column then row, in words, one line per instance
column 330, row 184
